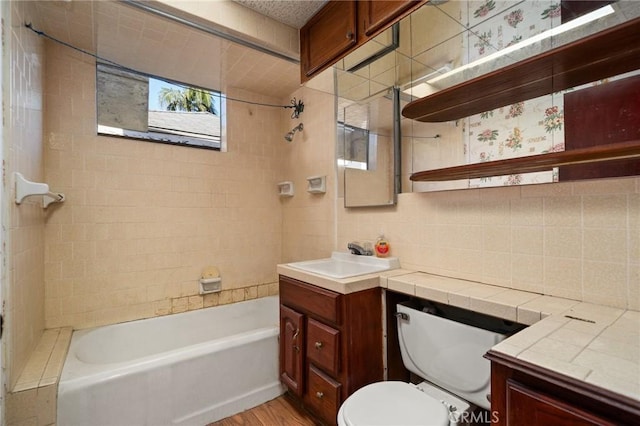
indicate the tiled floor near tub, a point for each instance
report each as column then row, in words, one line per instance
column 280, row 411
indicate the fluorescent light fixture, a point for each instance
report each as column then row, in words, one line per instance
column 575, row 23
column 425, row 84
column 418, row 88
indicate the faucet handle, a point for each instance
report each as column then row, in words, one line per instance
column 356, row 248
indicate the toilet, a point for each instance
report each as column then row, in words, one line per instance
column 448, row 353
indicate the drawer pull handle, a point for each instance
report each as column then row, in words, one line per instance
column 318, row 345
column 296, row 348
column 319, row 394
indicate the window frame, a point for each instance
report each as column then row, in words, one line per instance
column 176, row 139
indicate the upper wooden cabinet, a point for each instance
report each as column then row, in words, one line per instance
column 379, row 14
column 342, row 26
column 327, row 36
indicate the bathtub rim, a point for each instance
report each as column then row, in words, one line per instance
column 76, row 372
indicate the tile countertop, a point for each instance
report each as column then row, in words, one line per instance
column 593, row 343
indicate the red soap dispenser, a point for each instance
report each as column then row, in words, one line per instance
column 382, row 247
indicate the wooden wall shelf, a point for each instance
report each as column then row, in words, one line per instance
column 604, row 54
column 533, row 163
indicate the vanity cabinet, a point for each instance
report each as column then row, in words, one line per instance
column 343, row 25
column 522, row 393
column 330, row 344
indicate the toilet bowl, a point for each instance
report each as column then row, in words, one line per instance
column 445, row 351
column 402, row 404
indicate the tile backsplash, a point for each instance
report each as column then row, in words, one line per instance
column 576, row 240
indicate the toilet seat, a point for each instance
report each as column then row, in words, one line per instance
column 392, row 403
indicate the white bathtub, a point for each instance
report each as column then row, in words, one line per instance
column 185, row 369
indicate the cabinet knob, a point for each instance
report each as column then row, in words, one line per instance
column 319, row 394
column 349, row 35
column 318, row 345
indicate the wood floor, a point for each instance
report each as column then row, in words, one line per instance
column 281, row 411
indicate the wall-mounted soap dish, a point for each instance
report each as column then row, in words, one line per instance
column 285, row 189
column 210, row 285
column 317, row 184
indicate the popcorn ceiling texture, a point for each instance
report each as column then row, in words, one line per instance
column 292, row 13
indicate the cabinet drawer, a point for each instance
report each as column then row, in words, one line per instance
column 324, row 395
column 310, row 299
column 323, row 346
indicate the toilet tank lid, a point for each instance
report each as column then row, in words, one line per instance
column 393, row 403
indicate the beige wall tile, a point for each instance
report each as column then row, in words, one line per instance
column 634, row 287
column 563, row 242
column 527, row 272
column 605, row 244
column 563, row 277
column 23, row 225
column 605, row 211
column 563, row 211
column 527, row 212
column 141, row 219
column 605, row 283
column 497, row 238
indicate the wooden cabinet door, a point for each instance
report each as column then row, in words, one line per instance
column 292, row 349
column 532, row 407
column 327, row 35
column 373, row 15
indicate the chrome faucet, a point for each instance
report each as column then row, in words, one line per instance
column 355, row 248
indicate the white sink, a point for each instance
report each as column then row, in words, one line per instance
column 345, row 265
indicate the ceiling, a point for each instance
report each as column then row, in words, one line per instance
column 153, row 44
column 294, row 13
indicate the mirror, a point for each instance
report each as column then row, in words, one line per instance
column 445, row 43
column 366, row 147
column 455, row 41
column 367, row 104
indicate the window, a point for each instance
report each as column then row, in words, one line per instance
column 134, row 105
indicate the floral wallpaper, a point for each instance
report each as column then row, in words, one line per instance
column 525, row 128
column 532, row 127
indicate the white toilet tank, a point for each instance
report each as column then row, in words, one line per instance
column 449, row 353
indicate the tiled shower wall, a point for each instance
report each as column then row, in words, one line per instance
column 23, row 262
column 576, row 240
column 142, row 220
column 308, row 219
